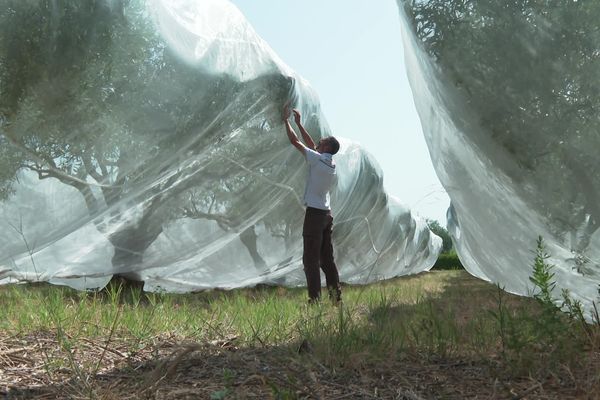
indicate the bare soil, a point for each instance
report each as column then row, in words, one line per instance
column 173, row 369
column 35, row 366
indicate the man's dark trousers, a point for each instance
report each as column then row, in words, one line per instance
column 318, row 252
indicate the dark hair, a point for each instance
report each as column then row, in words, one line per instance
column 334, row 145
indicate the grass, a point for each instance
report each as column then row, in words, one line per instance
column 442, row 334
column 257, row 317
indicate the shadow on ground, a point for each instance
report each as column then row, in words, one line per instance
column 173, row 368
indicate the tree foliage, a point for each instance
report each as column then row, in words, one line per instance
column 442, row 232
column 525, row 76
column 93, row 97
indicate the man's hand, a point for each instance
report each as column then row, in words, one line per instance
column 286, row 112
column 297, row 116
column 290, row 131
column 305, row 136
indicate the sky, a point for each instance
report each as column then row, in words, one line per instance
column 351, row 53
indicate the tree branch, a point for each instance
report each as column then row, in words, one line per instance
column 193, row 212
column 53, row 170
column 87, row 162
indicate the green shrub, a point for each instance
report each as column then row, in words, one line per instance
column 550, row 336
column 442, row 232
column 448, row 261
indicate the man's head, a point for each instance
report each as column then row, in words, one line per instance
column 328, row 145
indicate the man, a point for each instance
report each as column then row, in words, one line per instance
column 318, row 222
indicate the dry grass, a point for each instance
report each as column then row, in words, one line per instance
column 430, row 336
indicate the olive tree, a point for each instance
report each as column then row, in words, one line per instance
column 528, row 73
column 91, row 96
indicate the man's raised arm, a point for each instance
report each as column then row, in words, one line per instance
column 305, row 136
column 290, row 131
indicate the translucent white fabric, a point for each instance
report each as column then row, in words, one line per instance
column 146, row 139
column 508, row 98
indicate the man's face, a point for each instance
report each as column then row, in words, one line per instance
column 322, row 147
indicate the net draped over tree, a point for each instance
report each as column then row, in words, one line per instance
column 180, row 167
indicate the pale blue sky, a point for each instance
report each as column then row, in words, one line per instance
column 351, row 53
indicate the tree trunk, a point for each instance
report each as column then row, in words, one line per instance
column 130, row 245
column 248, row 238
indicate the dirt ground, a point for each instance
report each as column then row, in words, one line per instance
column 34, row 367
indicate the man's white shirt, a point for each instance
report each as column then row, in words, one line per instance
column 321, row 176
